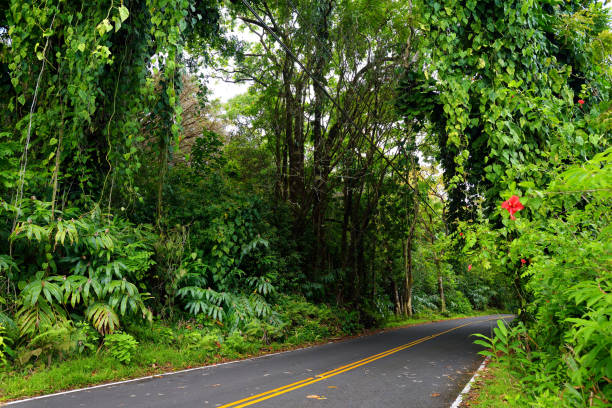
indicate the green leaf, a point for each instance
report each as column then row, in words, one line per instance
column 104, row 27
column 124, row 13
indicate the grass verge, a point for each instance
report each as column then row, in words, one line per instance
column 151, row 358
column 395, row 321
column 495, row 387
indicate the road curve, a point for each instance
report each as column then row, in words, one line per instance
column 420, row 366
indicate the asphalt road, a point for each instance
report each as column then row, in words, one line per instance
column 419, row 366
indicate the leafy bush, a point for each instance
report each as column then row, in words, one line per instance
column 478, row 293
column 349, row 321
column 84, row 338
column 458, row 303
column 511, row 348
column 79, row 263
column 504, row 345
column 237, row 343
column 155, row 332
column 207, row 343
column 2, row 346
column 264, row 332
column 11, row 331
column 50, row 341
column 121, row 346
column 590, row 362
column 422, row 302
column 562, row 352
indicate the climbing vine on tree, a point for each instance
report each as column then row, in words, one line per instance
column 516, row 94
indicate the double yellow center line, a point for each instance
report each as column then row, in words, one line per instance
column 328, row 374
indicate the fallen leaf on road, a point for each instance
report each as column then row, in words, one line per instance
column 331, row 386
column 435, row 394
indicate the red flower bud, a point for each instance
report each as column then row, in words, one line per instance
column 469, row 267
column 523, row 261
column 580, row 101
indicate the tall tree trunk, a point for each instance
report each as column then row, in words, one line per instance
column 296, row 161
column 408, row 255
column 432, row 238
column 441, row 291
column 321, row 153
column 278, row 161
column 288, row 120
column 398, row 304
column 408, row 278
column 346, row 220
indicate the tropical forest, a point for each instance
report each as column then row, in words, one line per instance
column 190, row 182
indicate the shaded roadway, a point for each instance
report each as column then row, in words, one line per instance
column 418, row 366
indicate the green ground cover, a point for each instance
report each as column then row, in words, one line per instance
column 164, row 348
column 495, row 387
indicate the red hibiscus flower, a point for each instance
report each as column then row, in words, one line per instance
column 461, row 234
column 513, row 204
column 523, row 261
column 581, row 102
column 469, row 267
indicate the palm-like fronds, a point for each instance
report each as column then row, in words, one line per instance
column 102, row 317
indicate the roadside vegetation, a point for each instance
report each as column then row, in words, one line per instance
column 495, row 387
column 424, row 159
column 163, row 347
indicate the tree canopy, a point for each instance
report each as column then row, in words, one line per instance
column 389, row 158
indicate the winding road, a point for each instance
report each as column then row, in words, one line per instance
column 418, row 366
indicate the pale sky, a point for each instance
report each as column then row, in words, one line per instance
column 226, row 90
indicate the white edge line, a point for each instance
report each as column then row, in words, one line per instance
column 187, row 370
column 468, row 386
column 166, row 374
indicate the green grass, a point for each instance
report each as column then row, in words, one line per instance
column 495, row 387
column 79, row 371
column 399, row 321
column 154, row 358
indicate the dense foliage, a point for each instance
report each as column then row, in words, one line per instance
column 390, row 158
column 517, row 96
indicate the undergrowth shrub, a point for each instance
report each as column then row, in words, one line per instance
column 9, row 334
column 2, row 342
column 422, row 302
column 206, row 343
column 346, row 321
column 237, row 343
column 121, row 346
column 264, row 332
column 155, row 332
column 458, row 303
column 85, row 338
column 561, row 354
column 480, row 295
column 89, row 264
column 56, row 340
